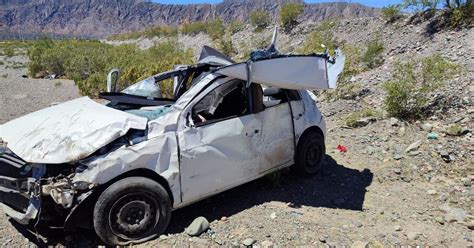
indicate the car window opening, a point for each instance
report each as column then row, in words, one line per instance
column 225, row 101
column 274, row 96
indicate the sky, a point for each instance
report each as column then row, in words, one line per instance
column 372, row 3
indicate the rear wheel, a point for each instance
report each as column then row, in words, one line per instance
column 132, row 210
column 309, row 154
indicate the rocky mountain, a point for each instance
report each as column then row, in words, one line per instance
column 99, row 18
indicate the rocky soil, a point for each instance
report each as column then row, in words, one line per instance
column 393, row 186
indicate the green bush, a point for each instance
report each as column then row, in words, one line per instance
column 235, row 26
column 461, row 12
column 345, row 90
column 194, row 28
column 88, row 62
column 226, row 46
column 391, row 13
column 412, row 82
column 354, row 64
column 352, row 119
column 260, row 19
column 9, row 51
column 373, row 56
column 156, row 31
column 421, row 5
column 318, row 42
column 289, row 14
column 215, row 28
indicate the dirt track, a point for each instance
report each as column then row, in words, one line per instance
column 358, row 199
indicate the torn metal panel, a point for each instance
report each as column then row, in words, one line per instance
column 67, row 132
column 293, row 72
column 335, row 69
column 211, row 55
column 289, row 71
column 22, row 218
column 18, row 195
column 159, row 154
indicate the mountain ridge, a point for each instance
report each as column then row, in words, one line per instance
column 100, row 18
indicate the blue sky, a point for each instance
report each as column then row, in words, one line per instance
column 373, row 3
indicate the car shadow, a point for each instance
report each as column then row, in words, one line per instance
column 335, row 187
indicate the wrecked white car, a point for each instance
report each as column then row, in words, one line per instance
column 122, row 167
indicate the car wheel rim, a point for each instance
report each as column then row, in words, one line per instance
column 313, row 155
column 134, row 216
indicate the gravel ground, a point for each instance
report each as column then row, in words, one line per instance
column 19, row 95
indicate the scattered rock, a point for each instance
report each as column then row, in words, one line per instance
column 466, row 182
column 414, row 146
column 445, row 156
column 470, row 225
column 394, row 122
column 397, row 228
column 365, row 121
column 248, row 242
column 323, row 238
column 432, row 192
column 197, row 227
column 432, row 136
column 427, row 127
column 455, row 215
column 443, row 197
column 397, row 156
column 273, row 215
column 360, row 244
column 266, row 244
column 413, row 235
column 454, row 130
column 440, row 220
column 199, row 240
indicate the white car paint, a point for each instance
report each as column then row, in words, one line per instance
column 196, row 162
column 290, row 72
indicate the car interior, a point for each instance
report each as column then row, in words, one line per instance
column 231, row 100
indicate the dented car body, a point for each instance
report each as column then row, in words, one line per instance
column 218, row 129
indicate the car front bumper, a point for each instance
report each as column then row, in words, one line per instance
column 19, row 189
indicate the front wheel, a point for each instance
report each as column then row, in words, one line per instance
column 132, row 210
column 309, row 153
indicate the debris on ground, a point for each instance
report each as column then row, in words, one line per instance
column 197, row 227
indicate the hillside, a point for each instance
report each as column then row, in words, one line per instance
column 100, row 18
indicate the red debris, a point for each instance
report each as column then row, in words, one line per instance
column 341, row 148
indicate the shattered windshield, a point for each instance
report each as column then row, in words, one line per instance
column 169, row 85
column 145, row 87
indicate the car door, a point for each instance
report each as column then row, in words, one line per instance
column 219, row 146
column 278, row 147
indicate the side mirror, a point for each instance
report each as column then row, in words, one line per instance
column 112, row 80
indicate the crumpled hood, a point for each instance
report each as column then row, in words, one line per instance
column 67, row 132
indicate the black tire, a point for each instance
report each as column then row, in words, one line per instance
column 132, row 210
column 309, row 153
